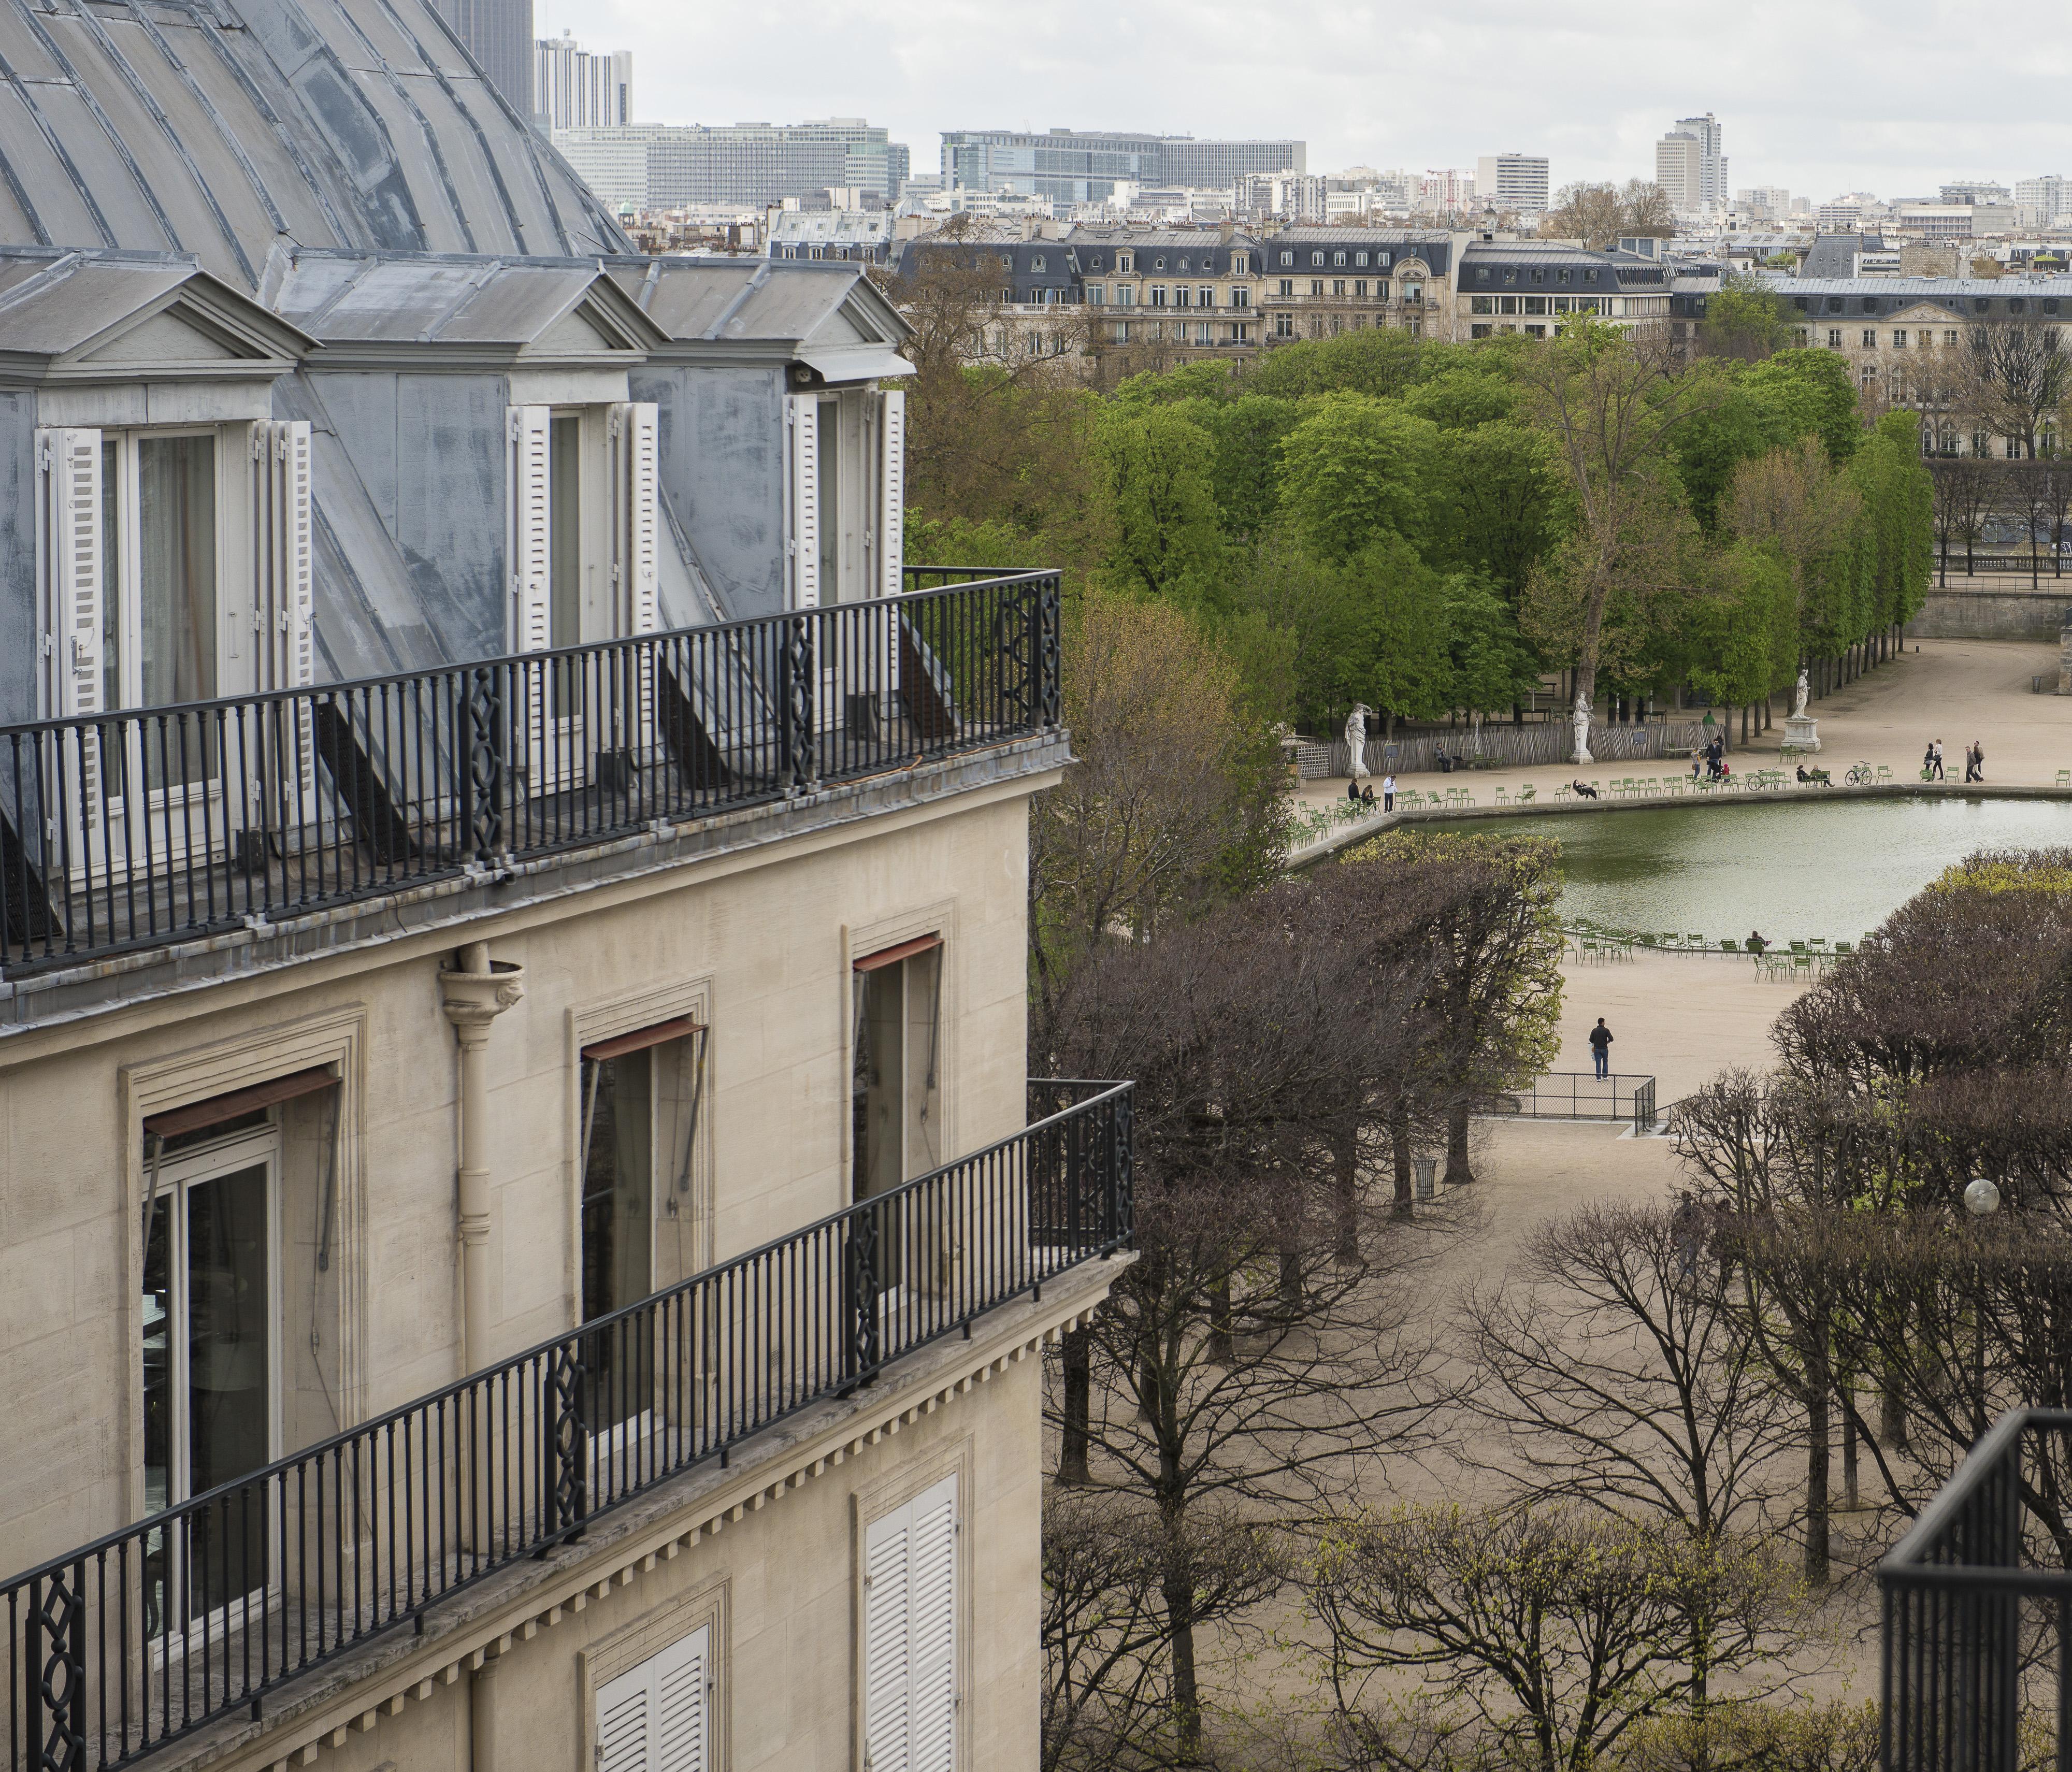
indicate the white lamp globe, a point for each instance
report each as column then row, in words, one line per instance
column 1982, row 1198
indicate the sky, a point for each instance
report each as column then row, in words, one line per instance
column 1820, row 96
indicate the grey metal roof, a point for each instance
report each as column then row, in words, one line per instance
column 1355, row 237
column 1917, row 288
column 222, row 128
column 55, row 303
column 773, row 302
column 453, row 299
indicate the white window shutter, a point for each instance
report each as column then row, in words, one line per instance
column 909, row 1658
column 892, row 482
column 657, row 1717
column 283, row 562
column 634, row 427
column 532, row 629
column 801, row 413
column 72, row 585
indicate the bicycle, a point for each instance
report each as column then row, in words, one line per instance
column 1862, row 775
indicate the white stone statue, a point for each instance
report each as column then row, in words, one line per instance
column 1798, row 695
column 1581, row 720
column 1356, row 742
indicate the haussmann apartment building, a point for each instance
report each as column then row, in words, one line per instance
column 528, row 1239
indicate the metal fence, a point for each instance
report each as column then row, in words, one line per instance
column 145, row 826
column 1964, row 1597
column 199, row 1612
column 1578, row 1094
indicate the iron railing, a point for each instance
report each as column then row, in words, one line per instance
column 200, row 1611
column 1972, row 1615
column 137, row 828
column 1577, row 1094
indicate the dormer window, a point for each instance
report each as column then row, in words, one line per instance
column 1158, row 264
column 1589, row 277
column 1359, row 258
column 1183, row 264
column 1566, row 275
column 1125, row 262
column 1482, row 274
column 2016, row 305
column 1037, row 264
column 1316, row 258
column 1382, row 260
column 1287, row 258
column 1006, row 261
column 1337, row 258
column 1097, row 261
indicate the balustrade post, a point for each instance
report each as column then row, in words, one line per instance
column 1047, row 648
column 56, row 1695
column 797, row 690
column 566, row 1429
column 482, row 760
column 864, row 1351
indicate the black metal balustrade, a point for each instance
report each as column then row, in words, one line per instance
column 1978, row 1610
column 137, row 829
column 199, row 1612
column 1578, row 1094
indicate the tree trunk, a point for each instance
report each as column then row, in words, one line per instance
column 1079, row 1361
column 1458, row 1173
column 1892, row 1413
column 1398, row 1151
column 1178, row 1587
column 1345, row 1154
column 1819, row 1452
column 1221, row 1349
column 1850, row 1493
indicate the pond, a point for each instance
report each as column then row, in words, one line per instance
column 1786, row 868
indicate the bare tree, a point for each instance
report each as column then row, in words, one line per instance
column 1106, row 1696
column 1562, row 1629
column 2022, row 373
column 1620, row 1377
column 1966, row 493
column 1647, row 211
column 1592, row 213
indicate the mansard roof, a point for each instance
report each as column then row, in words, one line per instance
column 222, row 128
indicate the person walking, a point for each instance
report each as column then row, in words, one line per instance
column 1935, row 750
column 1388, row 793
column 1601, row 1048
column 1974, row 761
column 1687, row 1225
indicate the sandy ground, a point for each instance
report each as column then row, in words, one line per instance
column 1958, row 691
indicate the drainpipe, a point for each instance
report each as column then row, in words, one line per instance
column 482, row 1717
column 473, row 994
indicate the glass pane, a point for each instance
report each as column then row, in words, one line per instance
column 176, row 603
column 229, row 1382
column 617, row 1231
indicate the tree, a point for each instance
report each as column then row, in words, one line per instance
column 1145, row 829
column 1505, row 503
column 1809, row 391
column 1243, row 1355
column 1489, row 666
column 1492, row 1004
column 1154, row 468
column 1966, row 492
column 1622, row 1379
column 1378, row 361
column 1648, row 213
column 1562, row 1629
column 1592, row 213
column 1744, row 320
column 1107, row 1700
column 1408, row 674
column 1610, row 403
column 1354, row 469
column 2021, row 372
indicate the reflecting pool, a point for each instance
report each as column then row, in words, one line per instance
column 1788, row 868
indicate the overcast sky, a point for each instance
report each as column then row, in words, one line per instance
column 1820, row 96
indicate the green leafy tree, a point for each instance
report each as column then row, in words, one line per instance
column 1154, row 471
column 1744, row 320
column 1491, row 668
column 1810, row 392
column 1899, row 514
column 1409, row 674
column 1380, row 361
column 1356, row 469
column 1246, row 469
column 1463, row 396
column 1321, row 608
column 1501, row 503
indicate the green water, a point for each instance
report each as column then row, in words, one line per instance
column 1789, row 868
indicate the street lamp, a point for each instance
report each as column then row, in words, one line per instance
column 1982, row 1199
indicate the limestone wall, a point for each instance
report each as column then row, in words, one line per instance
column 2006, row 614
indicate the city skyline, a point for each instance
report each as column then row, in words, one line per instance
column 1593, row 90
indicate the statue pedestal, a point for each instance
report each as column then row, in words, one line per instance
column 1802, row 732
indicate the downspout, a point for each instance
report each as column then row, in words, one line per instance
column 473, row 994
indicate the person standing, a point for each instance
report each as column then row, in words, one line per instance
column 1928, row 762
column 1601, row 1048
column 1936, row 749
column 1388, row 793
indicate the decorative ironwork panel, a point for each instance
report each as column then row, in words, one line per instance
column 1048, row 652
column 568, row 1438
column 57, row 1680
column 486, row 761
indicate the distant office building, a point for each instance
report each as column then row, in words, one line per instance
column 1764, row 202
column 1690, row 167
column 1084, row 165
column 1446, row 188
column 2040, row 201
column 1934, row 221
column 664, row 166
column 1971, row 192
column 1513, row 181
column 575, row 89
column 1291, row 196
column 1842, row 216
column 499, row 34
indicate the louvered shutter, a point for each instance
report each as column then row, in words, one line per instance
column 284, row 564
column 636, row 526
column 657, row 1717
column 892, row 482
column 910, row 1705
column 802, row 426
column 71, row 588
column 531, row 622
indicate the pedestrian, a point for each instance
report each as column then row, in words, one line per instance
column 1723, row 1238
column 1697, row 763
column 1388, row 793
column 1974, row 761
column 1928, row 762
column 1601, row 1048
column 1936, row 749
column 1687, row 1228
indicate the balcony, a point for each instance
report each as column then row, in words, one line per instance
column 1974, row 1595
column 198, row 1613
column 139, row 829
